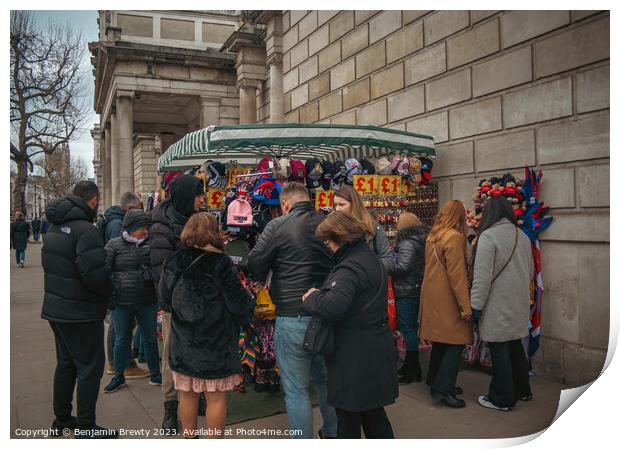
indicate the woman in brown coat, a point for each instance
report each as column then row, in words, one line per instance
column 445, row 310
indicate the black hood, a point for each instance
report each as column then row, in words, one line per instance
column 183, row 191
column 70, row 207
column 418, row 232
column 114, row 213
column 166, row 215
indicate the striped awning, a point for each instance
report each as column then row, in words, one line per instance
column 247, row 144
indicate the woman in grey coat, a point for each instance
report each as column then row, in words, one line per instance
column 503, row 268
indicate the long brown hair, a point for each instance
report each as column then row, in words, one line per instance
column 358, row 210
column 450, row 216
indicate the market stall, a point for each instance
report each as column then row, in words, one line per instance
column 244, row 167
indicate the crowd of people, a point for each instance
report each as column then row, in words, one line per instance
column 324, row 272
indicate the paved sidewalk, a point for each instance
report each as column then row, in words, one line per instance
column 139, row 406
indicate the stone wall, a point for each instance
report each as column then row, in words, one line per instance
column 498, row 90
column 145, row 164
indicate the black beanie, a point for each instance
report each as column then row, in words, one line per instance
column 135, row 219
column 183, row 192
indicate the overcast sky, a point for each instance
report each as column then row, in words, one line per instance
column 86, row 22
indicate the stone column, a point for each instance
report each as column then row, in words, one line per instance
column 249, row 46
column 114, row 161
column 273, row 45
column 247, row 101
column 124, row 110
column 209, row 111
column 276, row 91
column 107, row 166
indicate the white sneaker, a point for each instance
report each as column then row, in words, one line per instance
column 485, row 402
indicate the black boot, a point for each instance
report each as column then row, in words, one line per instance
column 412, row 371
column 415, row 366
column 170, row 421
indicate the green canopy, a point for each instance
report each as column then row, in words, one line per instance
column 247, row 144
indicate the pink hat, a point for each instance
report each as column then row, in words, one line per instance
column 239, row 213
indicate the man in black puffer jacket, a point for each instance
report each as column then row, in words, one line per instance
column 77, row 289
column 289, row 248
column 407, row 271
column 169, row 218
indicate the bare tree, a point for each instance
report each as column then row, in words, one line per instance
column 48, row 107
column 61, row 176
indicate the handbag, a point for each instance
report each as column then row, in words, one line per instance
column 391, row 307
column 320, row 338
column 265, row 308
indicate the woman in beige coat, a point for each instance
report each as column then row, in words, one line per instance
column 445, row 310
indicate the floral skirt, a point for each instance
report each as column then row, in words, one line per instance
column 183, row 382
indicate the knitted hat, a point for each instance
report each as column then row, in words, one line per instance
column 135, row 219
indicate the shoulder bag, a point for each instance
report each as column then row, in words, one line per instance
column 320, row 336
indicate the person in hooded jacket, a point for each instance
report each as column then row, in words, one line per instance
column 20, row 233
column 112, row 228
column 353, row 299
column 169, row 218
column 77, row 289
column 133, row 296
column 407, row 271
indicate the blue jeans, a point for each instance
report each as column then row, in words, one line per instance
column 111, row 338
column 146, row 315
column 297, row 368
column 407, row 317
column 20, row 255
column 136, row 343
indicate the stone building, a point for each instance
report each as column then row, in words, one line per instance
column 498, row 90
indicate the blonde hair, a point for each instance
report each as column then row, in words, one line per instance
column 407, row 220
column 358, row 210
column 450, row 216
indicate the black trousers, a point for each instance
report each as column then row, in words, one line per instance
column 80, row 359
column 511, row 379
column 443, row 367
column 374, row 422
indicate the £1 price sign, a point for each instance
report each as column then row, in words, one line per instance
column 366, row 184
column 215, row 198
column 407, row 188
column 324, row 199
column 389, row 185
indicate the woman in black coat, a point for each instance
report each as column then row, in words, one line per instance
column 362, row 371
column 407, row 271
column 20, row 232
column 201, row 289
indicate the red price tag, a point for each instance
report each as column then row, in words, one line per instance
column 324, row 199
column 366, row 184
column 390, row 185
column 215, row 198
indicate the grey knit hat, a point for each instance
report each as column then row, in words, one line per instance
column 135, row 219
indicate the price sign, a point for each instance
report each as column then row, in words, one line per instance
column 389, row 185
column 407, row 188
column 233, row 172
column 215, row 198
column 366, row 184
column 324, row 199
